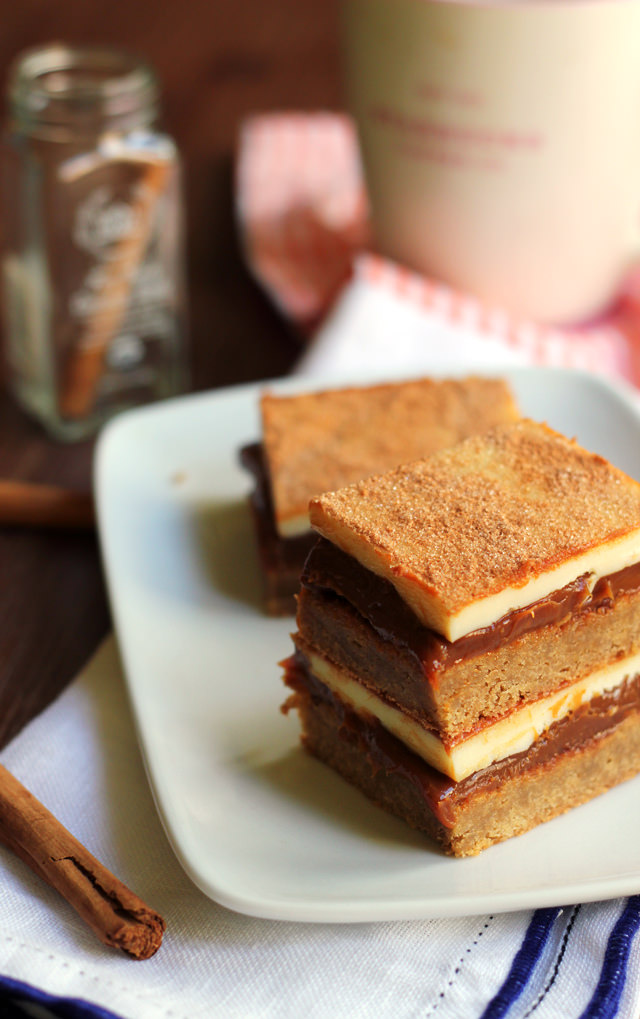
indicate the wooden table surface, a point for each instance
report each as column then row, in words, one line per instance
column 218, row 61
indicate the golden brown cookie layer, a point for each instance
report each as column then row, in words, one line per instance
column 317, row 442
column 489, row 525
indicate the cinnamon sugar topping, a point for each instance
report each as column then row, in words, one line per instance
column 489, row 525
column 317, row 442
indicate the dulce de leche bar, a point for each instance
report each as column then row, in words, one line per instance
column 468, row 642
column 316, row 442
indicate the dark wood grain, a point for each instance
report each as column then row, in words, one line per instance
column 218, row 61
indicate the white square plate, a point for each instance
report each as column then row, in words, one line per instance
column 258, row 825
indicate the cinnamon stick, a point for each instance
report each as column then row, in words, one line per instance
column 118, row 917
column 86, row 361
column 36, row 505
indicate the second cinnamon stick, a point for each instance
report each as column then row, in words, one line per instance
column 116, row 914
column 35, row 505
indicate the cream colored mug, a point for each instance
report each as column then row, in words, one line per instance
column 501, row 144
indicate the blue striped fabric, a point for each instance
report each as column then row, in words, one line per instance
column 524, row 963
column 606, row 997
column 605, row 1001
column 14, row 991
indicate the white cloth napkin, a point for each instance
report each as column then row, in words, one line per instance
column 389, row 319
column 81, row 758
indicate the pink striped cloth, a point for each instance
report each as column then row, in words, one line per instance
column 303, row 215
column 301, row 206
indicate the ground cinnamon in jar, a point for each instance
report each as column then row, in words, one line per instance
column 94, row 303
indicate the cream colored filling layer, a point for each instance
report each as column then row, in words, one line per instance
column 510, row 735
column 455, row 622
column 293, row 527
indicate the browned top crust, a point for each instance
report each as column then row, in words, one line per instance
column 491, row 514
column 318, row 442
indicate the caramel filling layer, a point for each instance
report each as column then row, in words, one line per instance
column 329, row 569
column 278, row 553
column 573, row 734
column 493, row 741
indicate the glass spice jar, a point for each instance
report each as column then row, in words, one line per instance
column 92, row 230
